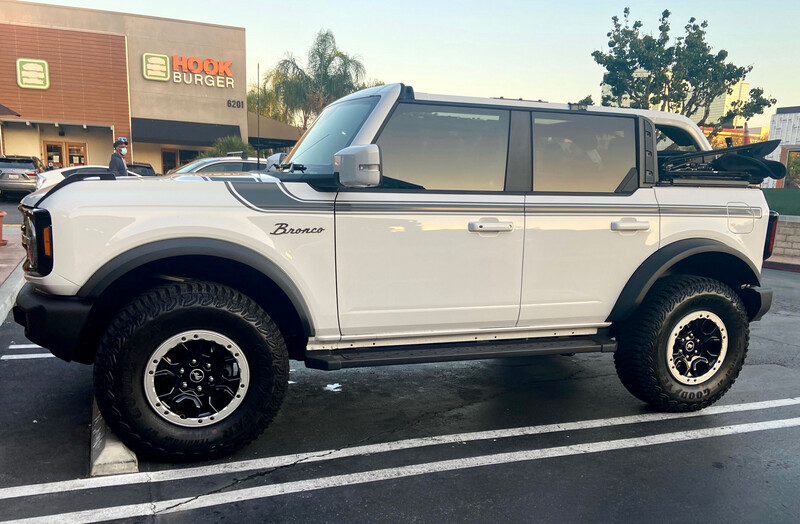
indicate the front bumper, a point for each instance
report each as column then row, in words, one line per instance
column 54, row 322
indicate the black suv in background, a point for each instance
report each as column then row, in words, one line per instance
column 18, row 174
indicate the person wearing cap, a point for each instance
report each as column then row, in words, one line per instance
column 117, row 165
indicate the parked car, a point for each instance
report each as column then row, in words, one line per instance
column 18, row 174
column 54, row 176
column 142, row 168
column 223, row 164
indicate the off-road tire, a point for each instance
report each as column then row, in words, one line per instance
column 154, row 317
column 642, row 361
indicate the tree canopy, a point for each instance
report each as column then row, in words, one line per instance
column 329, row 74
column 683, row 75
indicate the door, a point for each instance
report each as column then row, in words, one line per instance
column 589, row 224
column 76, row 154
column 54, row 153
column 169, row 160
column 437, row 248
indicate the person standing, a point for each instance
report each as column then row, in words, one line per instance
column 117, row 165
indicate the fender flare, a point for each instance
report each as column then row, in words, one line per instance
column 660, row 262
column 140, row 255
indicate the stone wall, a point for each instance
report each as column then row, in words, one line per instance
column 787, row 241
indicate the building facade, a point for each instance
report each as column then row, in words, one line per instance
column 785, row 126
column 72, row 80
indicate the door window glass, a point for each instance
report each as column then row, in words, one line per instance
column 445, row 148
column 582, row 153
column 222, row 167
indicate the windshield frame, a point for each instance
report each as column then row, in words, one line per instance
column 292, row 157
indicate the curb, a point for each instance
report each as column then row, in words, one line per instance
column 9, row 290
column 782, row 266
column 109, row 456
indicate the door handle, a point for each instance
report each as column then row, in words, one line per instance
column 490, row 227
column 630, row 225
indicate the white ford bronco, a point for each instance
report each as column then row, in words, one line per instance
column 403, row 228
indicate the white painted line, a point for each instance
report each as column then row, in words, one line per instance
column 332, row 454
column 260, row 492
column 24, row 346
column 28, row 356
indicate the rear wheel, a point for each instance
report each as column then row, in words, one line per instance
column 190, row 371
column 686, row 344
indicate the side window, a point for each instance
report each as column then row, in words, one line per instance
column 445, row 148
column 669, row 139
column 222, row 167
column 583, row 153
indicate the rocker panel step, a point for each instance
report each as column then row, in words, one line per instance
column 386, row 356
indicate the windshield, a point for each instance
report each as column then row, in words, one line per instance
column 332, row 131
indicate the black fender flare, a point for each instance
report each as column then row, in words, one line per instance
column 659, row 263
column 154, row 251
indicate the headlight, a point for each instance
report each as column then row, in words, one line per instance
column 37, row 239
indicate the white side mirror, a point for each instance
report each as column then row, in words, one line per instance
column 358, row 166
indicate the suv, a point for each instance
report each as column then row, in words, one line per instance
column 141, row 168
column 404, row 228
column 18, row 173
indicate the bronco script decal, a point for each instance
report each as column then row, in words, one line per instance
column 282, row 228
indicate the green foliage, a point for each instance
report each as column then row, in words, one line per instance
column 793, row 170
column 784, row 201
column 329, row 74
column 264, row 100
column 683, row 77
column 587, row 100
column 228, row 144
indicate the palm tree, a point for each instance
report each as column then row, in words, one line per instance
column 329, row 74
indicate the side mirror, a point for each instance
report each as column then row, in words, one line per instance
column 358, row 166
column 275, row 160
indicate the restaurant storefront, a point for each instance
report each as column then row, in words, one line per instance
column 73, row 79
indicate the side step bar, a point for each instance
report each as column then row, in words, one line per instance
column 386, row 356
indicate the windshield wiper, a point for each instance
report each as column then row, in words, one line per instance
column 292, row 167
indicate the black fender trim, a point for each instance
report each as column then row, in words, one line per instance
column 138, row 256
column 660, row 262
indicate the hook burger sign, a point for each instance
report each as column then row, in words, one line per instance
column 189, row 70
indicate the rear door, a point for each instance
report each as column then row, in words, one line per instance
column 590, row 220
column 437, row 248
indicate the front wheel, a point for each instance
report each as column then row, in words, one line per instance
column 686, row 344
column 190, row 371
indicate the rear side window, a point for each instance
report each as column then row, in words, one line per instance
column 450, row 148
column 583, row 153
column 222, row 167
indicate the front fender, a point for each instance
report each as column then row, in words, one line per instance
column 141, row 255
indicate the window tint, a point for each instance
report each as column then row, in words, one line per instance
column 445, row 147
column 582, row 153
column 16, row 163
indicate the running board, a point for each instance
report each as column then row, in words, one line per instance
column 416, row 354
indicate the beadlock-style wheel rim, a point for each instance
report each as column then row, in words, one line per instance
column 697, row 347
column 196, row 378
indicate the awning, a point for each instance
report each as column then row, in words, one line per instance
column 263, row 132
column 5, row 111
column 179, row 133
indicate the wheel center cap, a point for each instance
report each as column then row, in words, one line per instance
column 690, row 345
column 197, row 375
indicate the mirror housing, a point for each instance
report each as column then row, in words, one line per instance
column 275, row 160
column 358, row 166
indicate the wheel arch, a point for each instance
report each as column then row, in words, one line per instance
column 695, row 256
column 140, row 268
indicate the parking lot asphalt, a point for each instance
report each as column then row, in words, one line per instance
column 546, row 438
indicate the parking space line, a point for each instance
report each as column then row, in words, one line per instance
column 24, row 346
column 28, row 356
column 332, row 454
column 366, row 477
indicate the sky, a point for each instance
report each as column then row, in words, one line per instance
column 515, row 49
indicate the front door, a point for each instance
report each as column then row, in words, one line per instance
column 437, row 248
